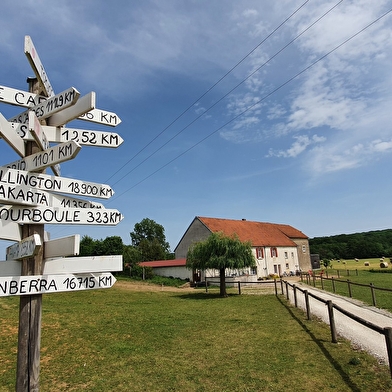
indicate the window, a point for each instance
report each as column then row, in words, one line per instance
column 286, row 255
column 259, row 253
column 253, row 271
column 274, row 252
column 303, row 248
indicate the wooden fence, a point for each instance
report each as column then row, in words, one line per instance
column 311, row 280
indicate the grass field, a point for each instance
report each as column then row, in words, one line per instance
column 357, row 272
column 122, row 339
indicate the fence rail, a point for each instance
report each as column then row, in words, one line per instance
column 371, row 286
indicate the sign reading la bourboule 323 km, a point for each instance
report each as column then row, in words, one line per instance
column 50, row 183
column 43, row 159
column 58, row 215
column 41, row 284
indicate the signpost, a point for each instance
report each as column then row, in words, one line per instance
column 50, row 183
column 12, row 138
column 42, row 284
column 43, row 159
column 33, row 199
column 28, row 247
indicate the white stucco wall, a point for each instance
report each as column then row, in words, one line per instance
column 175, row 272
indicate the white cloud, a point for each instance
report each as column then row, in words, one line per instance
column 302, row 142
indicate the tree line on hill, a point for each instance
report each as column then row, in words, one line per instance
column 367, row 245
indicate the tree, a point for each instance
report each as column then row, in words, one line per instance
column 149, row 238
column 220, row 252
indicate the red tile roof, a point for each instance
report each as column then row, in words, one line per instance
column 164, row 263
column 258, row 233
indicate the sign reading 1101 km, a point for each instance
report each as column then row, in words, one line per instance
column 30, row 197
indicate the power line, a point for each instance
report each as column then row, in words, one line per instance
column 260, row 100
column 209, row 89
column 230, row 91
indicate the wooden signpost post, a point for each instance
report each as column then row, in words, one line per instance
column 30, row 198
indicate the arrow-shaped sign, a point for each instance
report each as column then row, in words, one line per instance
column 28, row 247
column 43, row 159
column 12, row 138
column 101, row 117
column 62, row 247
column 57, row 215
column 41, row 284
column 83, row 105
column 24, row 195
column 85, row 137
column 51, row 106
column 55, row 184
column 20, row 98
column 68, row 265
column 37, row 66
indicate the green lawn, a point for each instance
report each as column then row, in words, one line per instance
column 124, row 340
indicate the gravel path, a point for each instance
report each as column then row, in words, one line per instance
column 361, row 336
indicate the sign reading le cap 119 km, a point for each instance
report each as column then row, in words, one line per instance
column 29, row 197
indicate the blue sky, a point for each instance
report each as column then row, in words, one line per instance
column 299, row 132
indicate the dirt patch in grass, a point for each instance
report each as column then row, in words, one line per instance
column 143, row 286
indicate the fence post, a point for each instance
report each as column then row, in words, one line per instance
column 322, row 282
column 338, row 273
column 334, row 334
column 348, row 272
column 287, row 290
column 314, row 279
column 356, row 271
column 206, row 286
column 295, row 295
column 281, row 286
column 239, row 287
column 373, row 294
column 307, row 303
column 388, row 340
column 326, row 272
column 276, row 287
column 333, row 284
column 349, row 288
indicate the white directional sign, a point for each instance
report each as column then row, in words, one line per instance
column 12, row 138
column 101, row 117
column 28, row 247
column 55, row 184
column 59, row 215
column 43, row 159
column 83, row 105
column 62, row 247
column 51, row 106
column 64, row 134
column 68, row 265
column 20, row 98
column 37, row 66
column 10, row 231
column 44, row 284
column 24, row 195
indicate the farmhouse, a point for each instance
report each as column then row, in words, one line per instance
column 278, row 249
